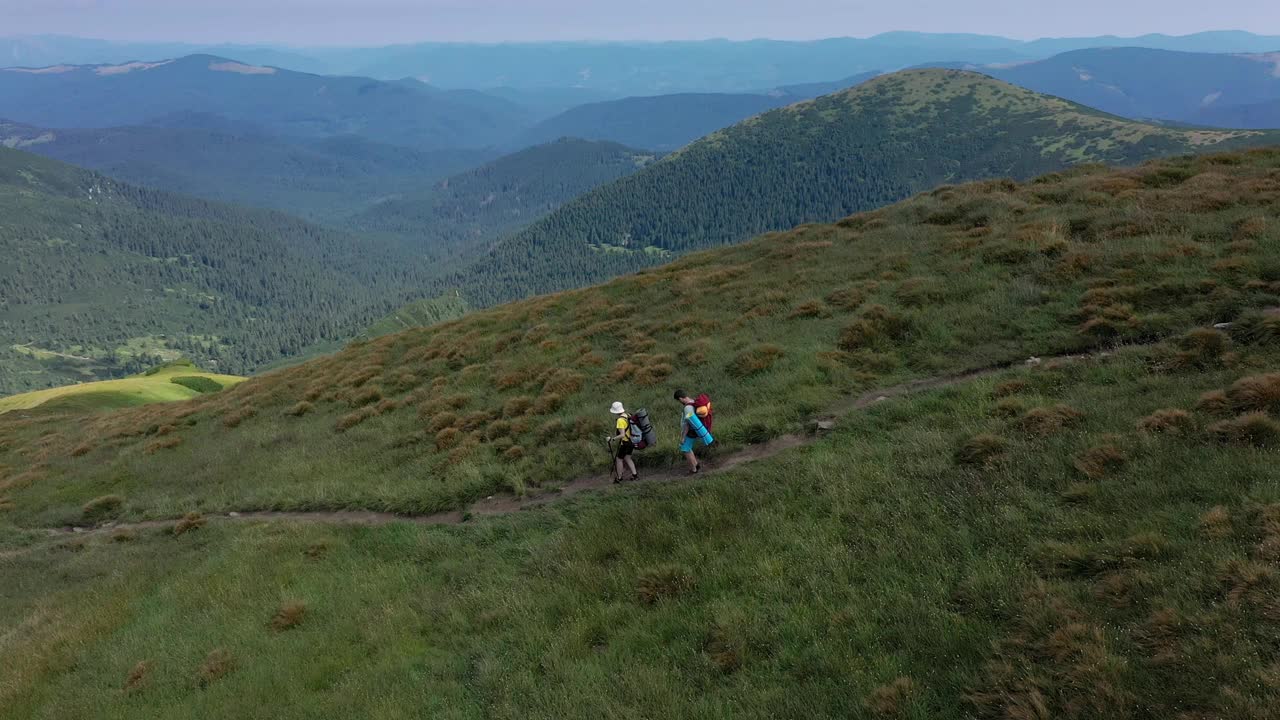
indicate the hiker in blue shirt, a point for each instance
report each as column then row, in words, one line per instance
column 692, row 426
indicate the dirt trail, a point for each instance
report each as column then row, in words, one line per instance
column 598, row 482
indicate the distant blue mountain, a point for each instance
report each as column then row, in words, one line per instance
column 283, row 102
column 628, row 69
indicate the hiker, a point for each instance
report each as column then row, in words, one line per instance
column 622, row 436
column 695, row 424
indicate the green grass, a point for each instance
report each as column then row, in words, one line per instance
column 168, row 383
column 803, row 586
column 959, row 278
column 1094, row 539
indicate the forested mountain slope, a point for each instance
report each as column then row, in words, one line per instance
column 462, row 214
column 220, row 159
column 662, row 122
column 284, row 102
column 101, row 277
column 820, row 160
column 1074, row 538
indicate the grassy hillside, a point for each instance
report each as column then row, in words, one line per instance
column 662, row 122
column 1080, row 539
column 818, row 161
column 513, row 399
column 102, row 278
column 233, row 162
column 1144, row 83
column 284, row 102
column 171, row 382
column 464, row 213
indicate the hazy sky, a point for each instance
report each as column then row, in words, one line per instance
column 350, row 22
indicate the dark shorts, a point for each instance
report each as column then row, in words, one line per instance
column 625, row 449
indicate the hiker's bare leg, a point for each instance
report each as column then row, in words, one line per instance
column 693, row 460
column 617, row 466
column 631, row 465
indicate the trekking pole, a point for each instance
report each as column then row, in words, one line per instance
column 613, row 466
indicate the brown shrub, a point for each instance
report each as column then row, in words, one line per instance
column 1100, row 461
column 234, row 418
column 405, row 381
column 1258, row 392
column 300, row 409
column 919, row 292
column 1009, row 408
column 1074, row 264
column 722, row 652
column 889, row 701
column 474, row 420
column 754, row 361
column 190, row 521
column 1201, row 348
column 386, row 406
column 361, row 377
column 447, row 438
column 457, row 401
column 1251, row 228
column 637, row 343
column 289, row 616
column 123, row 535
column 513, row 453
column 1044, row 421
column 623, row 371
column 553, row 429
column 1011, row 387
column 1216, row 523
column 511, row 380
column 851, row 298
column 1255, row 429
column 652, row 374
column 516, row 406
column 810, row 309
column 352, row 419
column 441, row 421
column 1171, row 421
column 217, row 664
column 1244, row 582
column 101, row 508
column 1214, row 403
column 136, row 676
column 563, row 381
column 1160, row 635
column 547, row 403
column 497, row 429
column 877, row 324
column 166, row 444
column 663, row 581
column 82, row 449
column 985, row 450
column 365, row 396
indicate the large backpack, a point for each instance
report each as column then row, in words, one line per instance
column 634, row 433
column 702, row 408
column 642, row 429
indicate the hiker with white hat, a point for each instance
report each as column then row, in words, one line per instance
column 622, row 437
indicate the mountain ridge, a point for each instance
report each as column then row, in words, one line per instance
column 816, row 161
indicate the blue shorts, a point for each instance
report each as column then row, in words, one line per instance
column 687, row 445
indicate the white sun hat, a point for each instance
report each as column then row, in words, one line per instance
column 617, row 409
